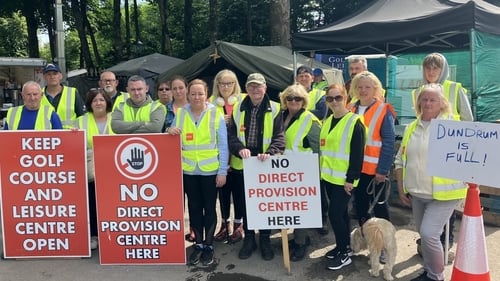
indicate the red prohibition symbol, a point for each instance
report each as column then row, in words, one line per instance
column 136, row 158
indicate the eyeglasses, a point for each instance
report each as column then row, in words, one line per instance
column 296, row 99
column 108, row 81
column 226, row 84
column 335, row 98
column 163, row 89
column 96, row 89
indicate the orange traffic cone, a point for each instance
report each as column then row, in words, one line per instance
column 471, row 260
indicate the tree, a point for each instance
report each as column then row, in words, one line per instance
column 188, row 28
column 13, row 34
column 280, row 23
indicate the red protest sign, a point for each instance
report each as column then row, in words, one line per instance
column 140, row 200
column 44, row 194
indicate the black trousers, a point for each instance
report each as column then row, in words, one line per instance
column 239, row 183
column 92, row 209
column 202, row 195
column 225, row 193
column 363, row 200
column 338, row 213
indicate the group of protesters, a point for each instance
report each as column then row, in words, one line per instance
column 351, row 126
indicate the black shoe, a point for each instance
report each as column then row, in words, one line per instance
column 195, row 256
column 336, row 251
column 207, row 257
column 249, row 245
column 423, row 277
column 266, row 250
column 339, row 261
column 298, row 253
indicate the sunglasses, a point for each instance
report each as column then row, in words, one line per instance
column 335, row 98
column 297, row 99
column 163, row 89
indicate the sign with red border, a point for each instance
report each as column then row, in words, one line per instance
column 140, row 201
column 44, row 194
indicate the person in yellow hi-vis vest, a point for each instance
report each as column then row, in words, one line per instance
column 342, row 143
column 205, row 156
column 432, row 199
column 226, row 93
column 317, row 106
column 109, row 83
column 435, row 69
column 139, row 113
column 256, row 129
column 97, row 121
column 66, row 101
column 32, row 115
column 301, row 136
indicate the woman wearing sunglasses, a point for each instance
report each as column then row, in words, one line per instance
column 302, row 136
column 342, row 143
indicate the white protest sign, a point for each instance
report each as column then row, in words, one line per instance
column 468, row 151
column 283, row 192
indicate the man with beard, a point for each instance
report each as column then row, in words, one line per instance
column 109, row 83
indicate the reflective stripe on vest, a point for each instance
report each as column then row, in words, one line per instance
column 442, row 188
column 296, row 132
column 87, row 122
column 199, row 143
column 66, row 113
column 239, row 120
column 143, row 113
column 314, row 96
column 449, row 87
column 373, row 119
column 42, row 121
column 122, row 97
column 335, row 148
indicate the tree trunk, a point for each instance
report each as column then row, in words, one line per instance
column 79, row 10
column 188, row 28
column 127, row 29
column 249, row 22
column 166, row 45
column 32, row 25
column 117, row 37
column 136, row 23
column 213, row 21
column 280, row 23
column 94, row 42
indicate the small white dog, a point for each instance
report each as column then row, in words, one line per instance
column 376, row 235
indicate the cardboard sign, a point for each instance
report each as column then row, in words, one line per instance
column 44, row 194
column 140, row 203
column 467, row 151
column 283, row 192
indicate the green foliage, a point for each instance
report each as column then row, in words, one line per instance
column 13, row 36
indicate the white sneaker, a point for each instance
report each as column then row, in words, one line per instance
column 94, row 242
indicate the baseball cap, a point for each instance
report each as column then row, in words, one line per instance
column 256, row 78
column 318, row 72
column 51, row 67
column 304, row 69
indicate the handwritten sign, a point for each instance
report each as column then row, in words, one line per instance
column 468, row 151
column 283, row 192
column 139, row 199
column 44, row 194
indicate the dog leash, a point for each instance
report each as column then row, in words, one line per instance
column 371, row 191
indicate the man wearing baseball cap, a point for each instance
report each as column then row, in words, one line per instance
column 319, row 79
column 256, row 129
column 66, row 101
column 317, row 105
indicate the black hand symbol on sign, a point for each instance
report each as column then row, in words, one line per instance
column 136, row 160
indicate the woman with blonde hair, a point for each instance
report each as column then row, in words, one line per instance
column 301, row 136
column 226, row 93
column 432, row 199
column 378, row 117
